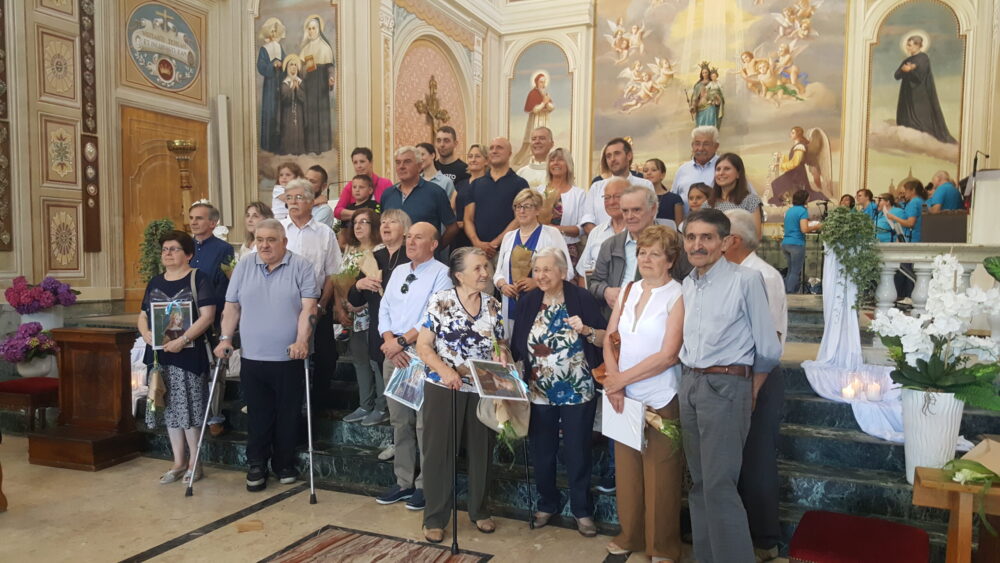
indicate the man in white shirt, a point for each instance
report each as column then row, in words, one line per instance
column 315, row 242
column 612, row 206
column 701, row 167
column 759, row 485
column 535, row 172
column 618, row 155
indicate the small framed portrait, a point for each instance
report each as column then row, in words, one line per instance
column 407, row 384
column 169, row 321
column 497, row 381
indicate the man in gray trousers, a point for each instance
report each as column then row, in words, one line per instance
column 730, row 346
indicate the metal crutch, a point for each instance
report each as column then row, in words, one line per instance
column 309, row 430
column 454, row 472
column 204, row 423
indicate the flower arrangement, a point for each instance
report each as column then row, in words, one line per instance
column 27, row 299
column 932, row 352
column 28, row 343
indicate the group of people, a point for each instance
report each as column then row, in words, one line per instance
column 460, row 261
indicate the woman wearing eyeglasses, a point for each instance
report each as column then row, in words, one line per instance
column 513, row 275
column 183, row 359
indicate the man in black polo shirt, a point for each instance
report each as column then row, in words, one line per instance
column 423, row 201
column 490, row 213
column 448, row 163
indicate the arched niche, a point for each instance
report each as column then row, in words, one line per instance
column 539, row 58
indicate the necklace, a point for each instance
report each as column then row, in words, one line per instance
column 393, row 264
column 553, row 300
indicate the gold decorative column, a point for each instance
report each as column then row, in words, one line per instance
column 183, row 149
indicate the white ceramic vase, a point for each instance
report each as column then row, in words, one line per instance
column 49, row 319
column 44, row 366
column 930, row 428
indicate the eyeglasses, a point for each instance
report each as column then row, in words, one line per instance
column 524, row 207
column 171, row 249
column 611, row 197
column 296, row 197
column 363, row 222
column 406, row 283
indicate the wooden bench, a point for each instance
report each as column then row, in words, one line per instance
column 932, row 488
column 30, row 394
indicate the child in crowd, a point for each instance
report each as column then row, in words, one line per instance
column 699, row 196
column 287, row 171
column 362, row 191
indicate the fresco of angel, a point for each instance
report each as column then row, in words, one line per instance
column 619, row 39
column 663, row 73
column 784, row 62
column 773, row 87
column 788, row 21
column 647, row 92
column 639, row 34
column 808, row 166
column 634, row 75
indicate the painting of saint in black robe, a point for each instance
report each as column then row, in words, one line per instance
column 269, row 62
column 318, row 73
column 918, row 107
column 292, row 122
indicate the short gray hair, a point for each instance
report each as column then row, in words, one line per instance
column 651, row 200
column 272, row 224
column 708, row 130
column 743, row 226
column 213, row 212
column 405, row 149
column 554, row 253
column 456, row 262
column 306, row 185
column 398, row 215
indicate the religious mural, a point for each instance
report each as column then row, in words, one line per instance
column 541, row 92
column 767, row 73
column 916, row 95
column 297, row 87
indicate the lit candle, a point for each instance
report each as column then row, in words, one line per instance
column 848, row 392
column 874, row 392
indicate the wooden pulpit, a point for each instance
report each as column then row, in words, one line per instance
column 96, row 428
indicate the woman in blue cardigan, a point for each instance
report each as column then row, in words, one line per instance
column 558, row 332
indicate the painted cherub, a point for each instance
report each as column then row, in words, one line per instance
column 784, row 62
column 663, row 73
column 772, row 87
column 638, row 35
column 619, row 39
column 634, row 75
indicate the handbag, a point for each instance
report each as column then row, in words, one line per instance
column 495, row 413
column 600, row 373
column 157, row 395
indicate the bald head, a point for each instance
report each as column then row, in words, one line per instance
column 499, row 153
column 421, row 241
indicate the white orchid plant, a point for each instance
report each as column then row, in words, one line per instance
column 932, row 352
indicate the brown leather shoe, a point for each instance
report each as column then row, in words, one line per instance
column 216, row 429
column 434, row 535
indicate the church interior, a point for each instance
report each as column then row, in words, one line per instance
column 118, row 118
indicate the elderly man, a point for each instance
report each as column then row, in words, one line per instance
column 490, row 212
column 272, row 298
column 361, row 159
column 403, row 307
column 448, row 163
column 210, row 253
column 423, row 201
column 612, row 206
column 315, row 242
column 618, row 155
column 318, row 178
column 701, row 167
column 946, row 196
column 759, row 484
column 616, row 262
column 536, row 171
column 730, row 346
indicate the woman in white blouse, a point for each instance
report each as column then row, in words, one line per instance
column 256, row 212
column 650, row 320
column 513, row 275
column 564, row 205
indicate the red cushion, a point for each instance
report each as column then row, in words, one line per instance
column 30, row 385
column 829, row 537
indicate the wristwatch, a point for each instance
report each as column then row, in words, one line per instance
column 186, row 339
column 592, row 336
column 223, row 338
column 402, row 341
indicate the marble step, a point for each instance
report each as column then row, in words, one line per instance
column 839, row 448
column 813, row 333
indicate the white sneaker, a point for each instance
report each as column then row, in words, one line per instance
column 387, row 454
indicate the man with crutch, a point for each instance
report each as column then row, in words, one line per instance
column 271, row 298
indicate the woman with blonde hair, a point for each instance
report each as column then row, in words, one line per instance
column 564, row 204
column 255, row 212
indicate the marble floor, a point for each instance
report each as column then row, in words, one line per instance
column 122, row 512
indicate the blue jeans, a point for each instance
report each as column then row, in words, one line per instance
column 796, row 256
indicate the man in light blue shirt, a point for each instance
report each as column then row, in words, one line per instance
column 946, row 196
column 701, row 167
column 403, row 306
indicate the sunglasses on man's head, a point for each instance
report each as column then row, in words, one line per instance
column 406, row 283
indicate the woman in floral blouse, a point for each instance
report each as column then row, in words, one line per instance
column 462, row 323
column 557, row 334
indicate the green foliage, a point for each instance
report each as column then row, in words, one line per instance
column 992, row 265
column 149, row 251
column 851, row 237
column 973, row 384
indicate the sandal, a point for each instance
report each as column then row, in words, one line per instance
column 613, row 549
column 187, row 476
column 542, row 519
column 172, row 475
column 434, row 535
column 486, row 525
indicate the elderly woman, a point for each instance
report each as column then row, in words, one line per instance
column 557, row 336
column 564, row 205
column 184, row 358
column 256, row 212
column 462, row 323
column 650, row 320
column 732, row 190
column 513, row 275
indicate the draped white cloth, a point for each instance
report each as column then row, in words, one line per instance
column 840, row 358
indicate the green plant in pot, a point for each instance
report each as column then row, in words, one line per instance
column 851, row 237
column 939, row 366
column 149, row 251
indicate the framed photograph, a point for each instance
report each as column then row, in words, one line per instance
column 169, row 321
column 407, row 384
column 497, row 381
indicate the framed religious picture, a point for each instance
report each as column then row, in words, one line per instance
column 169, row 321
column 498, row 381
column 407, row 384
